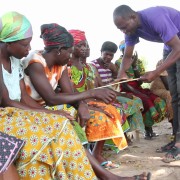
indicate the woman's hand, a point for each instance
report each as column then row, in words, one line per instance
column 104, row 94
column 83, row 113
column 64, row 113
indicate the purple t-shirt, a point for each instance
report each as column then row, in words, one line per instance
column 158, row 24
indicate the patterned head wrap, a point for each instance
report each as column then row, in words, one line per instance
column 55, row 36
column 14, row 27
column 122, row 45
column 78, row 36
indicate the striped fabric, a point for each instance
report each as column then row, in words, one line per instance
column 105, row 74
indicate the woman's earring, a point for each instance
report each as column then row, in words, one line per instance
column 58, row 53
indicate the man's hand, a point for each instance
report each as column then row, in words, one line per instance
column 149, row 76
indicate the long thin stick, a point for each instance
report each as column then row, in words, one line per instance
column 120, row 82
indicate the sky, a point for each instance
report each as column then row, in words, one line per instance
column 94, row 17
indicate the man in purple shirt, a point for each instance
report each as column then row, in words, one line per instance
column 157, row 24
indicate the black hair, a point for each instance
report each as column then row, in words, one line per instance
column 123, row 11
column 109, row 46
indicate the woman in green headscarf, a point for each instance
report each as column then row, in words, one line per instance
column 52, row 149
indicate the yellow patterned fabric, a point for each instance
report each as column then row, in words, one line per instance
column 52, row 149
column 73, row 112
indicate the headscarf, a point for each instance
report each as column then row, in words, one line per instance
column 122, row 45
column 14, row 27
column 55, row 36
column 109, row 46
column 78, row 36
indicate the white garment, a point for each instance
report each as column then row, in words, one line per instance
column 12, row 80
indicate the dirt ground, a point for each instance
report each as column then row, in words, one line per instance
column 141, row 156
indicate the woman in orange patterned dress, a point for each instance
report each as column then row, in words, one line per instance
column 105, row 121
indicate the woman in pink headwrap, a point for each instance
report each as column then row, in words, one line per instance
column 102, row 115
column 100, row 112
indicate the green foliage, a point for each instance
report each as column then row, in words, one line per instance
column 145, row 62
column 145, row 85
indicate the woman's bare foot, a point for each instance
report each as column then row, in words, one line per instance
column 105, row 163
column 143, row 176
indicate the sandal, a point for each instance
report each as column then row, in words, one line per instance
column 172, row 155
column 139, row 177
column 153, row 134
column 147, row 136
column 109, row 165
column 166, row 147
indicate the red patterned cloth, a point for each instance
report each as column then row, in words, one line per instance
column 55, row 36
column 78, row 35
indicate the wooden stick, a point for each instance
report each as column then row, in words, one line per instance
column 120, row 82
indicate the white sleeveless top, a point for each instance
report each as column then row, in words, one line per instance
column 12, row 80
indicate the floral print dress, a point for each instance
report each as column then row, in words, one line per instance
column 52, row 149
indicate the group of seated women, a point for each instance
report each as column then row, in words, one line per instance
column 44, row 107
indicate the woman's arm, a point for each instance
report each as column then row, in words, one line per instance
column 26, row 99
column 44, row 88
column 113, row 69
column 7, row 102
column 126, row 62
column 127, row 87
column 65, row 83
column 27, row 103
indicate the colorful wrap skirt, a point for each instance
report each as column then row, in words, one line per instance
column 52, row 149
column 73, row 112
column 103, row 126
